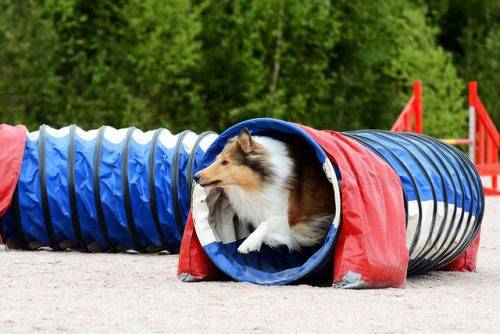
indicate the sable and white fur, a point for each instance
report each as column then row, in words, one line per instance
column 277, row 188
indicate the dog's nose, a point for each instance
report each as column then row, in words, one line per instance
column 197, row 177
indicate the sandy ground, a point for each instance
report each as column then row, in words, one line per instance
column 52, row 292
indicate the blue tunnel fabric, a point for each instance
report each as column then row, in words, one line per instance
column 96, row 186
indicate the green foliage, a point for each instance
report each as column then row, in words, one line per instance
column 207, row 64
column 470, row 30
column 445, row 115
column 28, row 82
column 94, row 62
column 385, row 47
column 267, row 59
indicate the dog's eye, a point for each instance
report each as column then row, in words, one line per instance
column 224, row 162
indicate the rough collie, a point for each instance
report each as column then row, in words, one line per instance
column 278, row 188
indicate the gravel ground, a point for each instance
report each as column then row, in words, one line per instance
column 52, row 292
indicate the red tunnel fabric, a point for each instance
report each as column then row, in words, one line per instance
column 372, row 239
column 467, row 260
column 12, row 140
column 194, row 263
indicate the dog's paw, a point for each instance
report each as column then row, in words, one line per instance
column 250, row 244
column 246, row 248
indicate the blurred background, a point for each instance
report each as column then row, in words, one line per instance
column 208, row 64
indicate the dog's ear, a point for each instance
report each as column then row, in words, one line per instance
column 245, row 140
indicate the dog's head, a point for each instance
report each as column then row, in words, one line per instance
column 241, row 163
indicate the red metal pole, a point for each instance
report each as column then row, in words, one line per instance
column 490, row 149
column 408, row 124
column 482, row 143
column 417, row 107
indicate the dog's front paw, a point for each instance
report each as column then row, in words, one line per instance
column 252, row 243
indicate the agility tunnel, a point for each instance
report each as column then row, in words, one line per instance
column 116, row 189
column 406, row 204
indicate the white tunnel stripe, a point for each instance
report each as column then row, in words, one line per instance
column 116, row 136
column 428, row 237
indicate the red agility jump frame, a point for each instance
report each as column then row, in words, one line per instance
column 486, row 141
column 483, row 141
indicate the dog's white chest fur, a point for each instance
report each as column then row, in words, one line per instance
column 267, row 208
column 254, row 208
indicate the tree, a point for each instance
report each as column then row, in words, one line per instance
column 128, row 62
column 207, row 64
column 90, row 62
column 267, row 59
column 385, row 47
column 28, row 79
column 470, row 32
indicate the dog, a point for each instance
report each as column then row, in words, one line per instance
column 278, row 188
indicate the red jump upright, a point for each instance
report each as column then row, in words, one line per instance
column 410, row 119
column 486, row 141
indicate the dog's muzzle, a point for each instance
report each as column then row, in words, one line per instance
column 197, row 179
